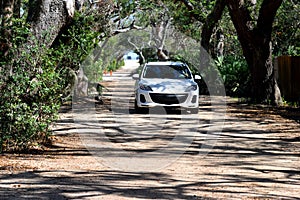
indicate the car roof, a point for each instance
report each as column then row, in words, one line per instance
column 165, row 63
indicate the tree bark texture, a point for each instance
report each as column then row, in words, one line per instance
column 207, row 31
column 159, row 34
column 47, row 17
column 7, row 9
column 210, row 23
column 17, row 8
column 257, row 47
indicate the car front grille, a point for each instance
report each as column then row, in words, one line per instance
column 168, row 99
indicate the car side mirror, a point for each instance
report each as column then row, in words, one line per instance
column 197, row 77
column 135, row 77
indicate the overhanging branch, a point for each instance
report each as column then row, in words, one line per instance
column 210, row 22
column 124, row 30
column 241, row 19
column 191, row 9
column 267, row 14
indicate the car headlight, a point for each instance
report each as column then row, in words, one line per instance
column 145, row 87
column 191, row 88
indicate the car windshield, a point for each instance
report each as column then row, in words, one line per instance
column 167, row 72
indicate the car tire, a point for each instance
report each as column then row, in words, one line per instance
column 140, row 110
column 193, row 110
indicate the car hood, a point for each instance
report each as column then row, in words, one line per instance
column 168, row 85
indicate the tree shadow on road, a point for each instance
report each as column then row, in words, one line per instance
column 254, row 156
column 117, row 184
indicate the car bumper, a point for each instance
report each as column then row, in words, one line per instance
column 184, row 100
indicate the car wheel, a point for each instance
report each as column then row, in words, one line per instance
column 140, row 110
column 193, row 110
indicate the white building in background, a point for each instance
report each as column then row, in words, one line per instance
column 131, row 59
column 131, row 56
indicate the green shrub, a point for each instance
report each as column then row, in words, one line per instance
column 115, row 65
column 235, row 74
column 29, row 102
column 34, row 79
column 29, row 93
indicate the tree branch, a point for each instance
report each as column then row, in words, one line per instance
column 6, row 8
column 267, row 14
column 1, row 6
column 164, row 34
column 241, row 19
column 210, row 22
column 17, row 7
column 188, row 4
column 139, row 50
column 191, row 8
column 124, row 30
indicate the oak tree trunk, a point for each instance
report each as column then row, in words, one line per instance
column 264, row 85
column 7, row 8
column 257, row 47
column 47, row 17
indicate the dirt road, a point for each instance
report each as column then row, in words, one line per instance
column 107, row 151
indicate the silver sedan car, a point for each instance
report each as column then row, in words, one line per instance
column 166, row 84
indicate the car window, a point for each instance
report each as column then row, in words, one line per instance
column 152, row 72
column 167, row 71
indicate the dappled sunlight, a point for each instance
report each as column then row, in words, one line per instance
column 101, row 148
